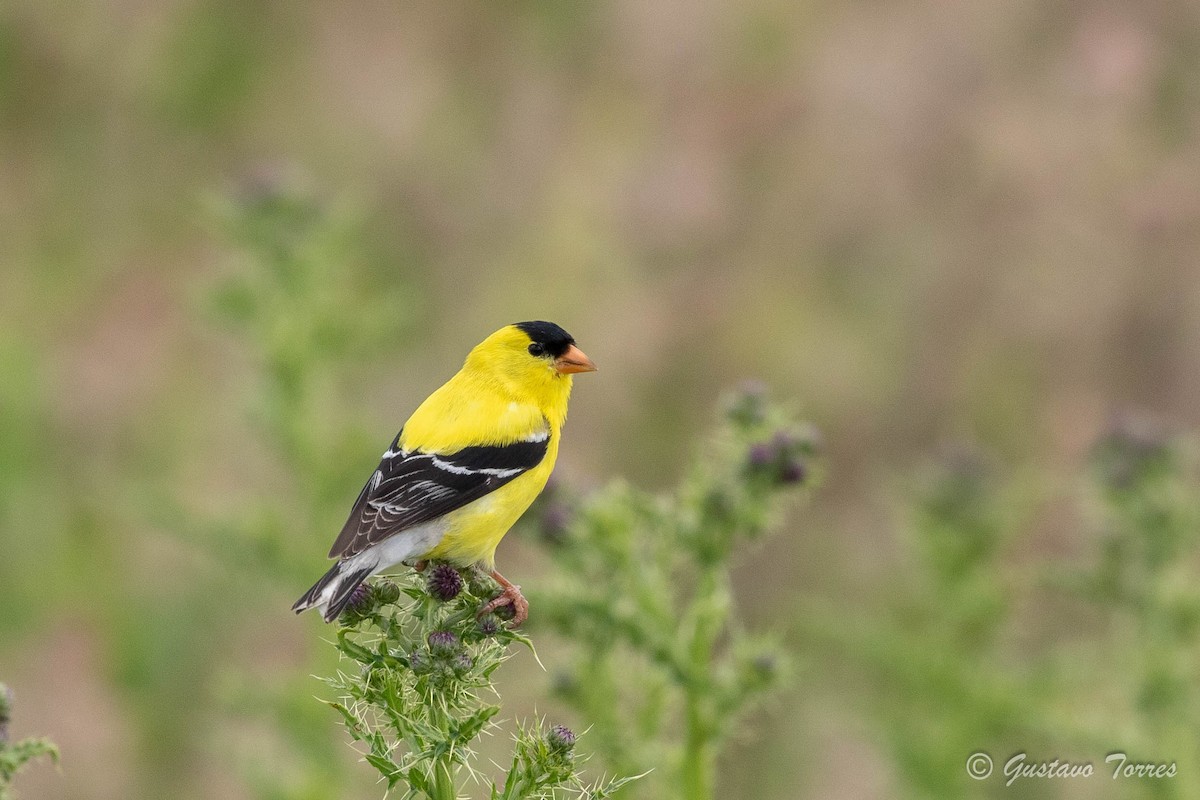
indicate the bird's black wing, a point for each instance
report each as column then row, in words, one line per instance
column 411, row 487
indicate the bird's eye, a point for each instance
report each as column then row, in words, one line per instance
column 537, row 349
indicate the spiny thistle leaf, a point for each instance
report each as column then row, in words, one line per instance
column 416, row 695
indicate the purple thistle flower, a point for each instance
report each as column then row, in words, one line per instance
column 444, row 582
column 360, row 599
column 793, row 471
column 5, row 711
column 462, row 663
column 561, row 739
column 761, row 455
column 420, row 662
column 489, row 626
column 443, row 643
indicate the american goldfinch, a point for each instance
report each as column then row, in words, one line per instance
column 464, row 467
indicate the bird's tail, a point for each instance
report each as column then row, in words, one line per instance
column 333, row 591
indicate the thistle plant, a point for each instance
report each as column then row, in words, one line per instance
column 299, row 263
column 312, row 299
column 1144, row 580
column 14, row 756
column 931, row 666
column 419, row 691
column 1102, row 658
column 662, row 667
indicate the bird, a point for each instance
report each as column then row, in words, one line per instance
column 463, row 468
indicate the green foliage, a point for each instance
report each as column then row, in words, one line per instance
column 14, row 756
column 1070, row 661
column 662, row 666
column 1145, row 584
column 420, row 692
column 300, row 265
column 304, row 295
column 27, row 494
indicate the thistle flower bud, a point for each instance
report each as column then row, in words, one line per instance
column 443, row 582
column 420, row 662
column 793, row 471
column 360, row 603
column 761, row 455
column 462, row 664
column 443, row 643
column 386, row 592
column 747, row 407
column 5, row 711
column 780, row 458
column 489, row 625
column 561, row 739
column 481, row 584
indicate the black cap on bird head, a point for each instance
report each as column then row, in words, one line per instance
column 554, row 339
column 550, row 341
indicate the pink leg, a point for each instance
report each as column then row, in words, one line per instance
column 510, row 595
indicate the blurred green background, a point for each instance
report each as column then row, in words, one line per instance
column 918, row 222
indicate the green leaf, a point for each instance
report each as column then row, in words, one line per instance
column 600, row 791
column 355, row 650
column 417, row 780
column 353, row 723
column 386, row 768
column 471, row 727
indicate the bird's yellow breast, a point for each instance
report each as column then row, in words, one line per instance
column 482, row 405
column 475, row 530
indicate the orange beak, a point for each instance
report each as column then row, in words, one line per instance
column 573, row 361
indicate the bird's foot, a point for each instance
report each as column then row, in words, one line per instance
column 419, row 566
column 510, row 595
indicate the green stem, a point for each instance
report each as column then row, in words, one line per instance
column 443, row 781
column 513, row 788
column 711, row 607
column 697, row 754
column 442, row 775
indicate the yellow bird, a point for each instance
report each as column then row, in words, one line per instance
column 464, row 467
